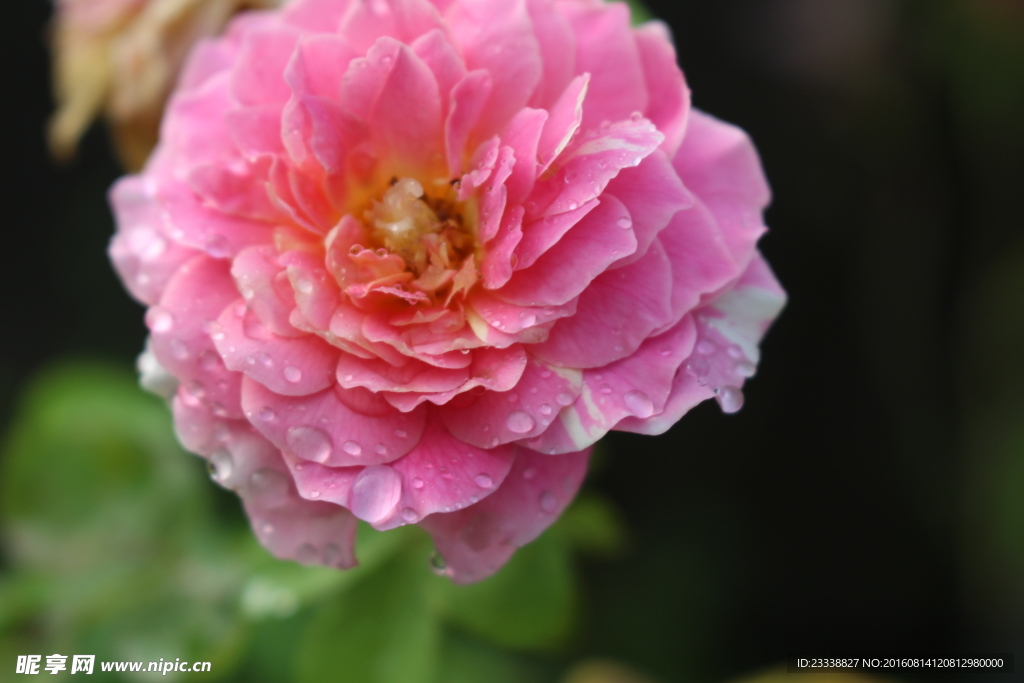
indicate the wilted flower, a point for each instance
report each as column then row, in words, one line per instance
column 407, row 261
column 121, row 57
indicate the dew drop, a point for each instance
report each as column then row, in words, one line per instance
column 265, row 360
column 401, row 433
column 545, row 409
column 375, row 493
column 159, row 320
column 310, row 443
column 529, row 473
column 484, row 481
column 220, row 465
column 269, row 486
column 730, row 399
column 380, row 449
column 307, row 554
column 409, row 515
column 564, row 399
column 625, row 222
column 545, row 374
column 352, row 448
column 292, row 374
column 706, row 347
column 529, row 320
column 438, row 564
column 304, row 286
column 417, row 484
column 314, row 494
column 495, row 441
column 639, row 403
column 513, row 398
column 267, row 414
column 605, row 389
column 520, row 422
column 746, row 369
column 332, row 555
column 548, row 502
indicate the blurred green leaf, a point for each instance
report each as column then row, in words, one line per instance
column 465, row 660
column 592, row 525
column 527, row 605
column 380, row 630
column 639, row 11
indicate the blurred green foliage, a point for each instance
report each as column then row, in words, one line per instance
column 118, row 548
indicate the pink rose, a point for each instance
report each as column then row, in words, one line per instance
column 406, row 261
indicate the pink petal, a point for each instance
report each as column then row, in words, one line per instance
column 477, row 541
column 495, row 418
column 288, row 366
column 239, row 190
column 315, row 15
column 403, row 20
column 326, row 429
column 256, row 132
column 652, row 194
column 468, row 97
column 615, row 314
column 511, row 318
column 307, row 532
column 317, row 66
column 443, row 61
column 192, row 224
column 365, row 77
column 257, row 275
column 195, row 128
column 494, row 369
column 564, row 119
column 583, row 171
column 179, row 325
column 498, row 37
column 719, row 164
column 315, row 293
column 557, row 48
column 143, row 256
column 522, row 135
column 605, row 48
column 637, row 386
column 541, row 234
column 408, row 136
column 581, row 255
column 415, row 376
column 668, row 103
column 258, row 73
column 492, row 203
column 443, row 474
column 496, row 267
column 701, row 260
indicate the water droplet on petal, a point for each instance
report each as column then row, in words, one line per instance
column 375, row 493
column 304, row 286
column 292, row 374
column 220, row 465
column 706, row 347
column 417, row 484
column 605, row 389
column 310, row 443
column 545, row 374
column 352, row 448
column 265, row 360
column 380, row 449
column 529, row 320
column 625, row 222
column 401, row 433
column 314, row 494
column 267, row 414
column 545, row 409
column 332, row 555
column 520, row 422
column 730, row 399
column 438, row 564
column 484, row 481
column 307, row 554
column 746, row 369
column 639, row 403
column 409, row 515
column 548, row 502
column 564, row 399
column 159, row 320
column 269, row 486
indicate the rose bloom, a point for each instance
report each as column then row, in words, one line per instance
column 407, row 261
column 121, row 57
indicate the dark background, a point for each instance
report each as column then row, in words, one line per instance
column 870, row 495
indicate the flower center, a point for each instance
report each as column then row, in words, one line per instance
column 428, row 230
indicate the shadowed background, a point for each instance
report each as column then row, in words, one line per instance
column 870, row 495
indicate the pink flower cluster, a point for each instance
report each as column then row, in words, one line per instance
column 406, row 261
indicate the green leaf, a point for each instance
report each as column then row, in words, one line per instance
column 592, row 525
column 529, row 604
column 380, row 630
column 466, row 660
